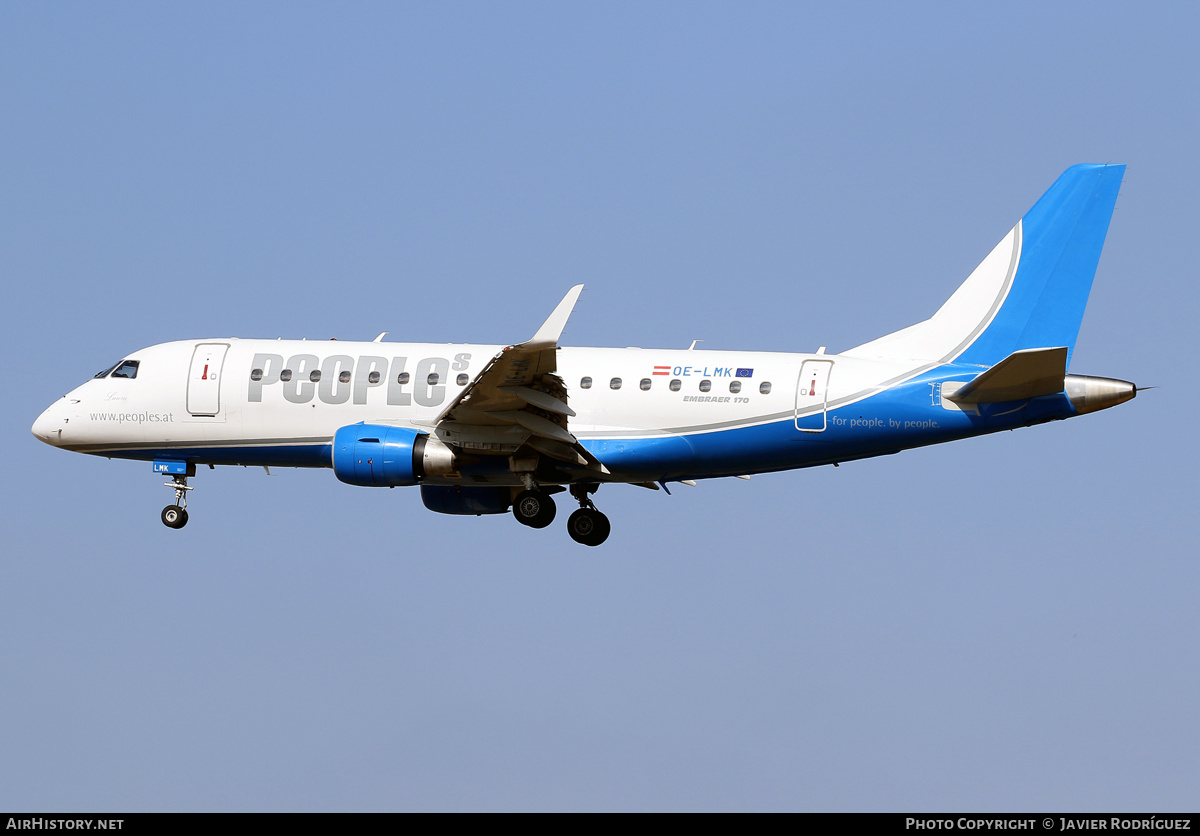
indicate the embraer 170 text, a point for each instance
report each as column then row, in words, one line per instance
column 485, row 428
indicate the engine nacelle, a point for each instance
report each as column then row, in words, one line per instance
column 379, row 456
column 476, row 499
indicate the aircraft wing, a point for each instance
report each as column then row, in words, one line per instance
column 519, row 400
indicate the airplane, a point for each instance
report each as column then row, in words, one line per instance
column 485, row 429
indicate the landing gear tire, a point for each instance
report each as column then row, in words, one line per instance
column 174, row 517
column 534, row 509
column 588, row 527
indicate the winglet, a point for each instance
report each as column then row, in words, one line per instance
column 547, row 336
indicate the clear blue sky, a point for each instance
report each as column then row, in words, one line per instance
column 1006, row 623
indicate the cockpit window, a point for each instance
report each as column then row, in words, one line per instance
column 126, row 368
column 106, row 372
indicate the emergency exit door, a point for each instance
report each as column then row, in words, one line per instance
column 812, row 390
column 204, row 379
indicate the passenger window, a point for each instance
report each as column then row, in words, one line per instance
column 433, row 379
column 765, row 387
column 373, row 377
column 402, row 378
column 615, row 383
column 705, row 385
column 344, row 377
column 127, row 369
column 315, row 375
column 676, row 384
column 106, row 372
column 285, row 375
column 256, row 374
column 735, row 386
column 585, row 383
column 645, row 384
column 462, row 380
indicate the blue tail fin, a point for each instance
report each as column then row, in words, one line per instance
column 1061, row 239
column 1029, row 292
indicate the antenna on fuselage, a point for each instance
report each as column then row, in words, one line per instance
column 692, row 347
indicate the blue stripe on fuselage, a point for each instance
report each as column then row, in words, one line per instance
column 298, row 455
column 898, row 419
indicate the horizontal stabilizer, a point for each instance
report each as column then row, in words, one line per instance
column 1028, row 373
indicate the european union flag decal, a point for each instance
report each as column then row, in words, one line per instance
column 745, row 373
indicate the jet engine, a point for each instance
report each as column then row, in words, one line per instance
column 379, row 456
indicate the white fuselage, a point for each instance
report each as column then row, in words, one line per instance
column 197, row 395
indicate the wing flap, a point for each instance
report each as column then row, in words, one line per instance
column 537, row 425
column 540, row 399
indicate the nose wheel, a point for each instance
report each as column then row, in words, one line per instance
column 176, row 516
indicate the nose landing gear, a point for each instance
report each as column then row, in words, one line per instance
column 176, row 516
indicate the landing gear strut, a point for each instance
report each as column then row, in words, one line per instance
column 587, row 525
column 176, row 516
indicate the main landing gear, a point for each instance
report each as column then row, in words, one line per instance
column 176, row 516
column 535, row 508
column 587, row 526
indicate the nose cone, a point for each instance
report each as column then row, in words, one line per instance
column 49, row 425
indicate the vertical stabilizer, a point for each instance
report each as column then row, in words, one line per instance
column 1030, row 292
